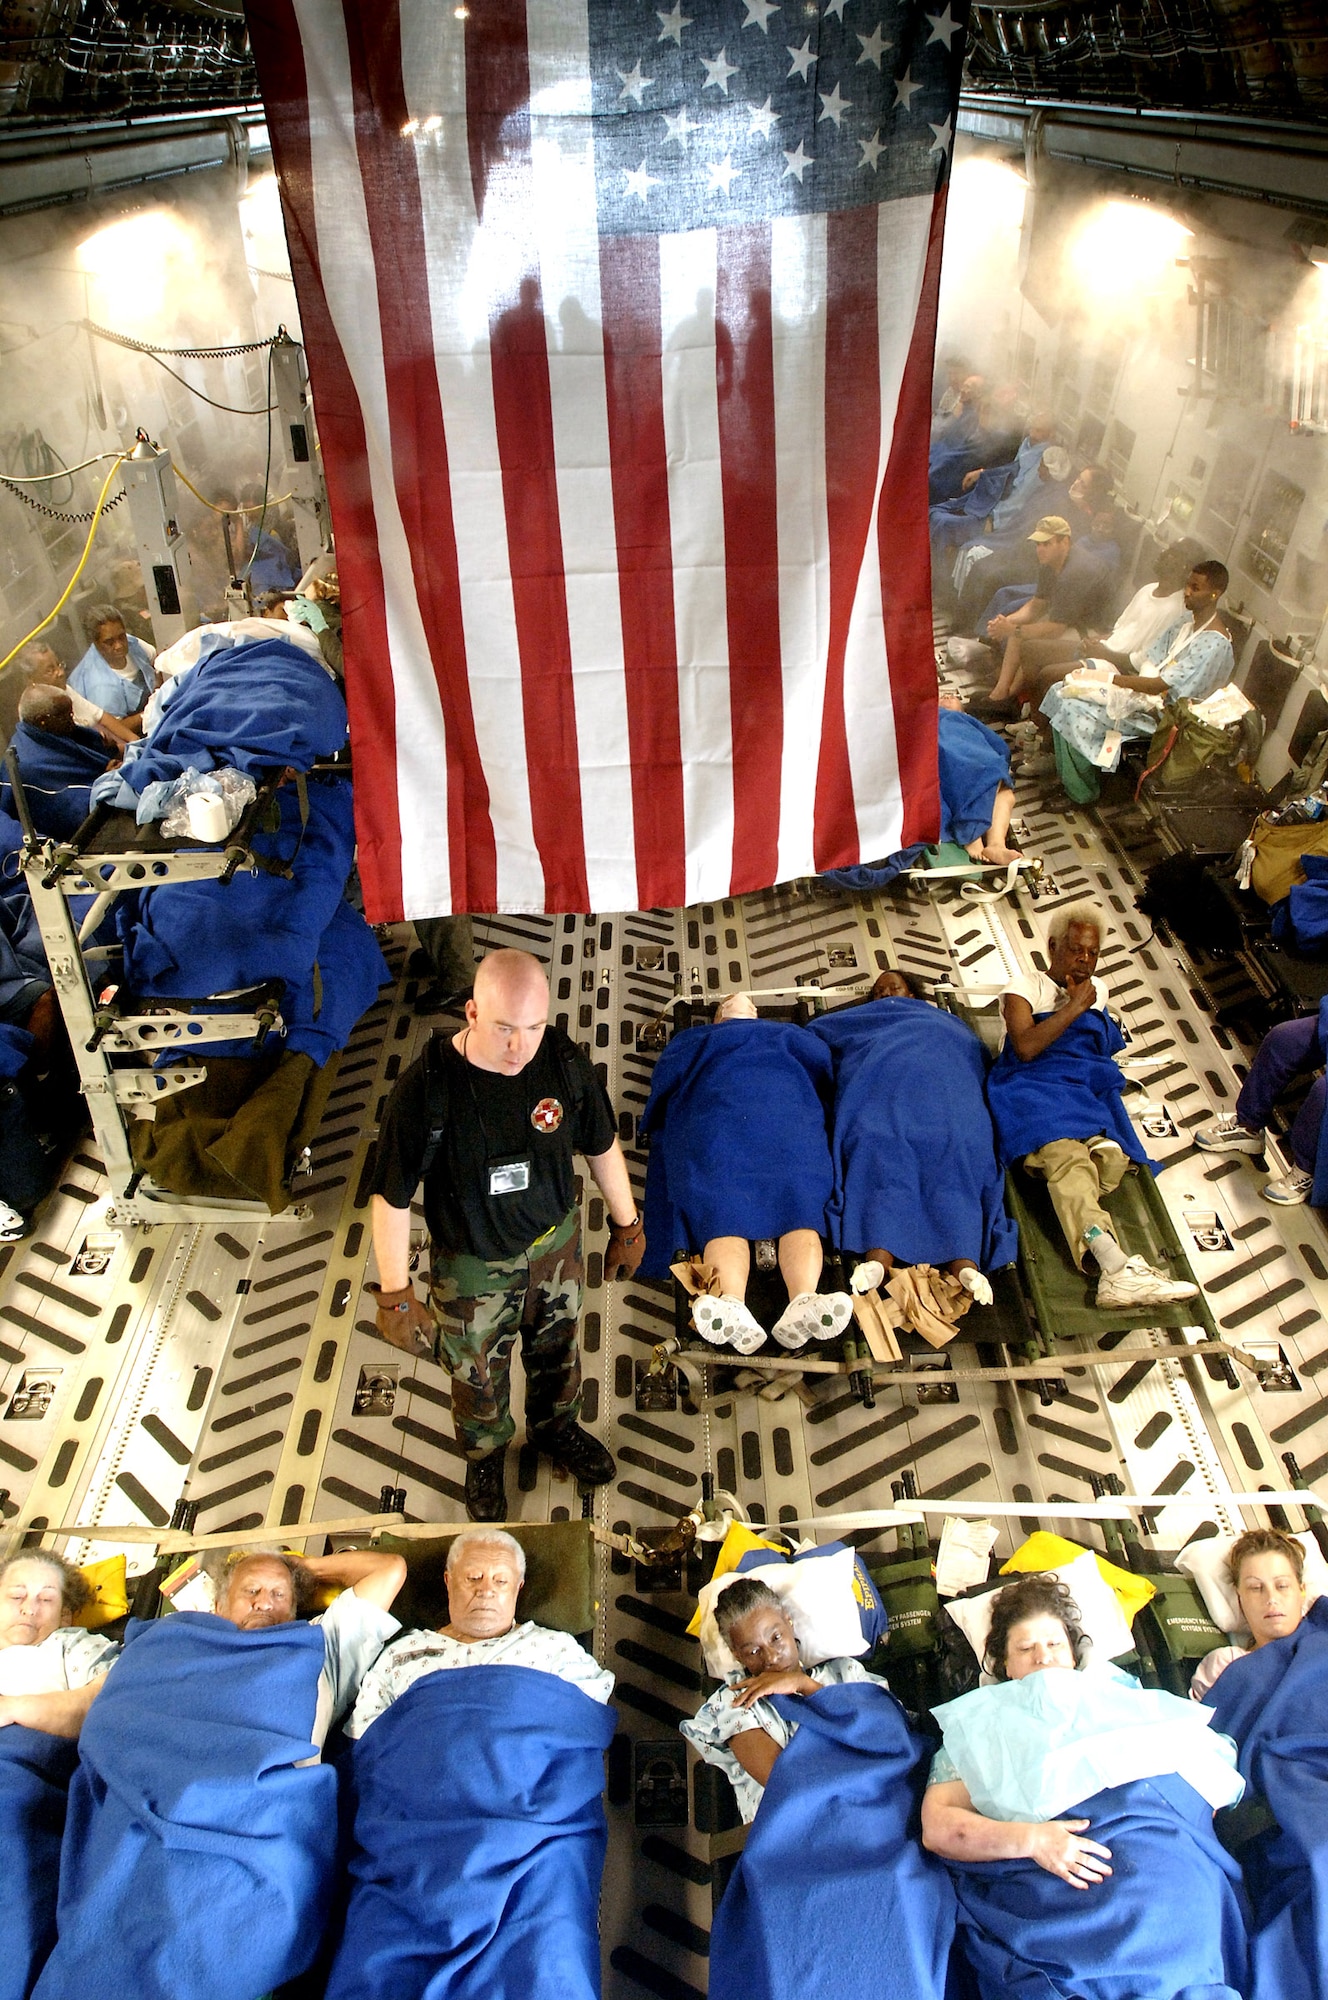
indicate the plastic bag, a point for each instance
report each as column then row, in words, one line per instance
column 232, row 789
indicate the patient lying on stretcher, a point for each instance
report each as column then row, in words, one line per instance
column 737, row 1729
column 1095, row 1785
column 50, row 1669
column 739, row 1153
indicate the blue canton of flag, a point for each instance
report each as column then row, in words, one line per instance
column 714, row 112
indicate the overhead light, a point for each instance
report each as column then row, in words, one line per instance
column 134, row 262
column 1124, row 249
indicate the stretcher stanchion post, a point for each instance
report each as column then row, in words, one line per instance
column 1313, row 1515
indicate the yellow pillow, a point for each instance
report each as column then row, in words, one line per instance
column 109, row 1599
column 736, row 1544
column 1043, row 1551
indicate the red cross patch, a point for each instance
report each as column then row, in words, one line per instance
column 547, row 1115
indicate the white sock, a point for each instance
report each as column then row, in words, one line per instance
column 1105, row 1250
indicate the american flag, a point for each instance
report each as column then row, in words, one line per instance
column 620, row 320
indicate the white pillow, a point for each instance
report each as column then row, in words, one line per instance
column 1206, row 1562
column 1099, row 1609
column 818, row 1599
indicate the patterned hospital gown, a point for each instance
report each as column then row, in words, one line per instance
column 1192, row 665
column 69, row 1658
column 415, row 1654
column 718, row 1720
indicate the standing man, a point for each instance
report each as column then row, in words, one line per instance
column 489, row 1119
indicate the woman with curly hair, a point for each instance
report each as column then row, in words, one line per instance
column 50, row 1668
column 1062, row 1776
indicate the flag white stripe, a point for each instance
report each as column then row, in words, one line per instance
column 902, row 233
column 345, row 253
column 469, row 267
column 688, row 276
column 568, row 236
column 798, row 311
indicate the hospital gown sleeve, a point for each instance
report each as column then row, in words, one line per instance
column 354, row 1634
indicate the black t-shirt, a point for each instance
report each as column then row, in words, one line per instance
column 497, row 1131
column 1074, row 595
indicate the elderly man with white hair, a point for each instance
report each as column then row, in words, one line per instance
column 486, row 1568
column 476, row 1828
column 1055, row 1096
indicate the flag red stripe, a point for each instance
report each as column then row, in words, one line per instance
column 852, row 456
column 634, row 380
column 277, row 48
column 745, row 375
column 905, row 552
column 497, row 78
column 420, row 468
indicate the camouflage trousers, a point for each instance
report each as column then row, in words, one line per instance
column 480, row 1308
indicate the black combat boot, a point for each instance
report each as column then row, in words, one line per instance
column 486, row 1494
column 579, row 1453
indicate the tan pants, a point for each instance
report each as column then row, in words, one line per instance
column 1076, row 1181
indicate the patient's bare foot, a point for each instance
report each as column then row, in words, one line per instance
column 995, row 855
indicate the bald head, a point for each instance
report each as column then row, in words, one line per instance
column 737, row 1007
column 47, row 708
column 508, row 1014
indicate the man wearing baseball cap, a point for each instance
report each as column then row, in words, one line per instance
column 1070, row 584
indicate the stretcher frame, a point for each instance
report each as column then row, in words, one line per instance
column 98, row 1029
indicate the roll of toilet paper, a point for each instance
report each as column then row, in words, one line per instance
column 208, row 818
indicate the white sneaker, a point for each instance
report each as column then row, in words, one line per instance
column 12, row 1225
column 1291, row 1189
column 715, row 1319
column 813, row 1316
column 1228, row 1135
column 867, row 1276
column 1138, row 1284
column 974, row 1282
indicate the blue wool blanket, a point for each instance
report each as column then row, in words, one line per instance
column 1275, row 1703
column 834, row 1897
column 56, row 773
column 738, row 1147
column 915, row 1161
column 1165, row 1925
column 35, row 1770
column 477, row 1842
column 198, row 1860
column 973, row 762
column 1071, row 1091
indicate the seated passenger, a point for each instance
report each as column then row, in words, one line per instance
column 50, row 1668
column 116, row 673
column 1193, row 659
column 737, row 1729
column 477, row 1839
column 43, row 667
column 1267, row 1570
column 57, row 762
column 1055, row 1097
column 737, row 1122
column 201, row 1833
column 1055, row 1781
column 1069, row 591
column 1286, row 1052
column 916, row 1175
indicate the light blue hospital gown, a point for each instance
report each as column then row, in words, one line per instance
column 417, row 1653
column 1192, row 664
column 720, row 1719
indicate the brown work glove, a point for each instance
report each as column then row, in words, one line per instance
column 626, row 1248
column 403, row 1322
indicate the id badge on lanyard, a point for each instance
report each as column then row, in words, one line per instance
column 510, row 1176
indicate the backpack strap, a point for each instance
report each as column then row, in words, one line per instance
column 438, row 1105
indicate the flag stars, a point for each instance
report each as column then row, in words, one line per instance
column 943, row 29
column 634, row 85
column 639, row 182
column 673, row 23
column 906, row 90
column 871, row 151
column 941, row 137
column 763, row 118
column 874, row 46
column 803, row 58
column 833, row 106
column 681, row 127
column 797, row 163
column 758, row 14
column 834, row 9
column 718, row 71
column 722, row 173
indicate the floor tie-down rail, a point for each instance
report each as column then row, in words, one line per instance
column 119, row 1040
